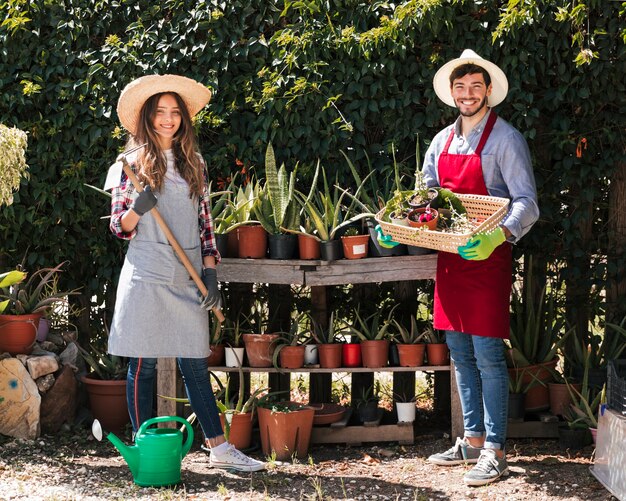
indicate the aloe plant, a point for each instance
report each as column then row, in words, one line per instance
column 371, row 328
column 277, row 209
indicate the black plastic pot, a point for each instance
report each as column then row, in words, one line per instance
column 331, row 250
column 394, row 358
column 282, row 246
column 368, row 411
column 221, row 242
column 575, row 438
column 597, row 377
column 413, row 250
column 517, row 405
column 375, row 249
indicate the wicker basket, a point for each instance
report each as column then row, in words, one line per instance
column 483, row 211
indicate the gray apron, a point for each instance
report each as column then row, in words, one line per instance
column 157, row 307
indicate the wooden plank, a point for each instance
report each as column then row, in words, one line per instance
column 356, row 435
column 376, row 422
column 378, row 269
column 532, row 429
column 263, row 271
column 320, row 370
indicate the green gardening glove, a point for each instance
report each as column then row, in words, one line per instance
column 481, row 245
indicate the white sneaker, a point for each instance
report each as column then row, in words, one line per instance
column 232, row 459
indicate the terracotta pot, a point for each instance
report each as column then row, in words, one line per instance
column 216, row 358
column 286, row 433
column 411, row 355
column 330, row 355
column 355, row 246
column 438, row 354
column 292, row 357
column 375, row 353
column 308, row 247
column 416, row 213
column 260, row 348
column 351, row 355
column 537, row 397
column 18, row 333
column 240, row 434
column 560, row 397
column 107, row 400
column 252, row 241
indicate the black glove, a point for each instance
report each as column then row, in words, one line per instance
column 213, row 298
column 144, row 202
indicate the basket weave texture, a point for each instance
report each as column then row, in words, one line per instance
column 483, row 211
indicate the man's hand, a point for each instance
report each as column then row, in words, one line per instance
column 481, row 245
column 144, row 202
column 385, row 241
column 213, row 297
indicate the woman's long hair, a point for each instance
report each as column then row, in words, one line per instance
column 151, row 159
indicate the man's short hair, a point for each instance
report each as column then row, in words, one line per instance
column 469, row 69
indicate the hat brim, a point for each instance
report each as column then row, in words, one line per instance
column 195, row 96
column 499, row 82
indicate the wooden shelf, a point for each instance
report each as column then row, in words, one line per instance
column 320, row 273
column 320, row 370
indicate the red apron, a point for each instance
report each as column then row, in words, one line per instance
column 471, row 296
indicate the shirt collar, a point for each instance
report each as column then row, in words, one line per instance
column 478, row 128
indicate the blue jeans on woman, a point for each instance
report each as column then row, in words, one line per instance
column 483, row 382
column 195, row 372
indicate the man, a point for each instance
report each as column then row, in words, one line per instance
column 484, row 155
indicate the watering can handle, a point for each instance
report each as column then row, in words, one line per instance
column 165, row 419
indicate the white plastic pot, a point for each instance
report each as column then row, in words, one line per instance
column 234, row 356
column 406, row 412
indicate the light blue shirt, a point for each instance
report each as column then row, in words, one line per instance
column 507, row 169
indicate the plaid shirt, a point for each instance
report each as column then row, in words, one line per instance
column 122, row 197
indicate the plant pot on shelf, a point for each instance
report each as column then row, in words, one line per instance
column 260, row 348
column 537, row 397
column 330, row 355
column 18, row 333
column 355, row 246
column 240, row 432
column 252, row 241
column 282, row 246
column 517, row 404
column 405, row 411
column 377, row 250
column 221, row 242
column 351, row 355
column 311, row 354
column 375, row 353
column 292, row 357
column 285, row 433
column 233, row 356
column 438, row 354
column 308, row 247
column 411, row 355
column 232, row 244
column 413, row 250
column 574, row 438
column 331, row 250
column 216, row 358
column 107, row 401
column 368, row 411
column 393, row 356
column 560, row 397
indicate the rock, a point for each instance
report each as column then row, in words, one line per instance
column 69, row 355
column 50, row 347
column 22, row 358
column 20, row 401
column 41, row 366
column 58, row 405
column 44, row 383
column 38, row 351
column 4, row 355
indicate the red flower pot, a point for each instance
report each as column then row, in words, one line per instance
column 18, row 333
column 351, row 355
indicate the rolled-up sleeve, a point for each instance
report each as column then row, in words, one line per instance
column 205, row 221
column 120, row 202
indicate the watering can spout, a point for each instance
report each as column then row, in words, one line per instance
column 130, row 454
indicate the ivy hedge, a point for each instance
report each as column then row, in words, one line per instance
column 317, row 78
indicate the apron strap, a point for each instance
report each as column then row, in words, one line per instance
column 488, row 128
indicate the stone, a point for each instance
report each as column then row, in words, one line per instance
column 20, row 401
column 50, row 347
column 38, row 351
column 58, row 405
column 22, row 358
column 44, row 383
column 41, row 366
column 69, row 355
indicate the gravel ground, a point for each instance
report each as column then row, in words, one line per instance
column 73, row 466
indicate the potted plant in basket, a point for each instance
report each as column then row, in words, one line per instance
column 23, row 302
column 285, row 427
column 277, row 208
column 374, row 336
column 410, row 346
column 106, row 384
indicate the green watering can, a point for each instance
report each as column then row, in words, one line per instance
column 156, row 457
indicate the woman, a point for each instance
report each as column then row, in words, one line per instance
column 157, row 310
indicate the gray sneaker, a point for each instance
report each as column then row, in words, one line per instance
column 488, row 469
column 460, row 453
